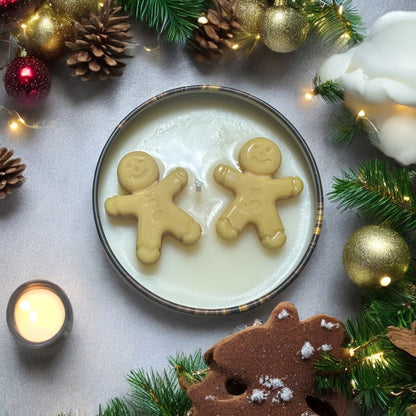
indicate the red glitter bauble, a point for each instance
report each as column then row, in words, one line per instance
column 27, row 80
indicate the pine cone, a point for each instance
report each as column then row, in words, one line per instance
column 10, row 172
column 100, row 44
column 215, row 35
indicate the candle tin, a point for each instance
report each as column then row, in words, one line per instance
column 196, row 128
column 48, row 345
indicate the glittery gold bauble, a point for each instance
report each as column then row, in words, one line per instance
column 411, row 410
column 74, row 8
column 375, row 256
column 45, row 32
column 283, row 29
column 250, row 13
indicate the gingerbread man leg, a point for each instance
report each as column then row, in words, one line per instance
column 183, row 227
column 149, row 242
column 231, row 223
column 271, row 231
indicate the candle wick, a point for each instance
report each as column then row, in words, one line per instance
column 198, row 185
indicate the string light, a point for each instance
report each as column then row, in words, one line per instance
column 385, row 281
column 361, row 114
column 16, row 120
column 202, row 20
column 309, row 96
column 341, row 9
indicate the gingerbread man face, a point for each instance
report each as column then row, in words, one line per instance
column 136, row 171
column 260, row 156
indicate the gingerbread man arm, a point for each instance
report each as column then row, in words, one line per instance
column 173, row 182
column 284, row 188
column 116, row 205
column 227, row 176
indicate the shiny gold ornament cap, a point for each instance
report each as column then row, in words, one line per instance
column 376, row 256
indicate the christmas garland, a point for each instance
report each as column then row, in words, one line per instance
column 380, row 370
column 94, row 36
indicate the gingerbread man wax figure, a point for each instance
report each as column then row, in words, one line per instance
column 256, row 193
column 152, row 203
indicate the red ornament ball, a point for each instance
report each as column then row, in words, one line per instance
column 27, row 80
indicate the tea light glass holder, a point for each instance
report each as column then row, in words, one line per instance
column 39, row 315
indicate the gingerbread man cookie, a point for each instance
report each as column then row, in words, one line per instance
column 268, row 369
column 256, row 193
column 151, row 201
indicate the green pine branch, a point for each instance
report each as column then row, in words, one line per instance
column 347, row 126
column 117, row 407
column 189, row 369
column 174, row 19
column 378, row 375
column 331, row 90
column 378, row 193
column 337, row 22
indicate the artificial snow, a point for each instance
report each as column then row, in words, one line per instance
column 328, row 325
column 325, row 347
column 258, row 396
column 307, row 350
column 283, row 314
column 286, row 394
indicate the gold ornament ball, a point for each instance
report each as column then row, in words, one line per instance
column 250, row 13
column 375, row 256
column 74, row 8
column 44, row 33
column 283, row 29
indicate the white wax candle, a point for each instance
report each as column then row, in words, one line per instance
column 39, row 314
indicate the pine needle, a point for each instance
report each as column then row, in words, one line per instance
column 347, row 126
column 174, row 19
column 116, row 407
column 337, row 22
column 378, row 193
column 158, row 394
column 331, row 91
column 189, row 369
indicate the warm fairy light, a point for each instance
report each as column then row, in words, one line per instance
column 202, row 20
column 235, row 46
column 385, row 281
column 361, row 114
column 406, row 198
column 341, row 9
column 352, row 352
column 16, row 120
column 309, row 96
column 377, row 358
column 13, row 125
column 346, row 35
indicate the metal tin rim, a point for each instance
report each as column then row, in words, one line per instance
column 205, row 311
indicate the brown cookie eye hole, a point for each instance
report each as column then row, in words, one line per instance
column 235, row 387
column 320, row 407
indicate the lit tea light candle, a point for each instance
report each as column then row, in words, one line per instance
column 39, row 314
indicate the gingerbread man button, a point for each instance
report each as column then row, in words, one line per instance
column 256, row 193
column 151, row 201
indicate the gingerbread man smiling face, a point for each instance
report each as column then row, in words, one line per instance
column 256, row 193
